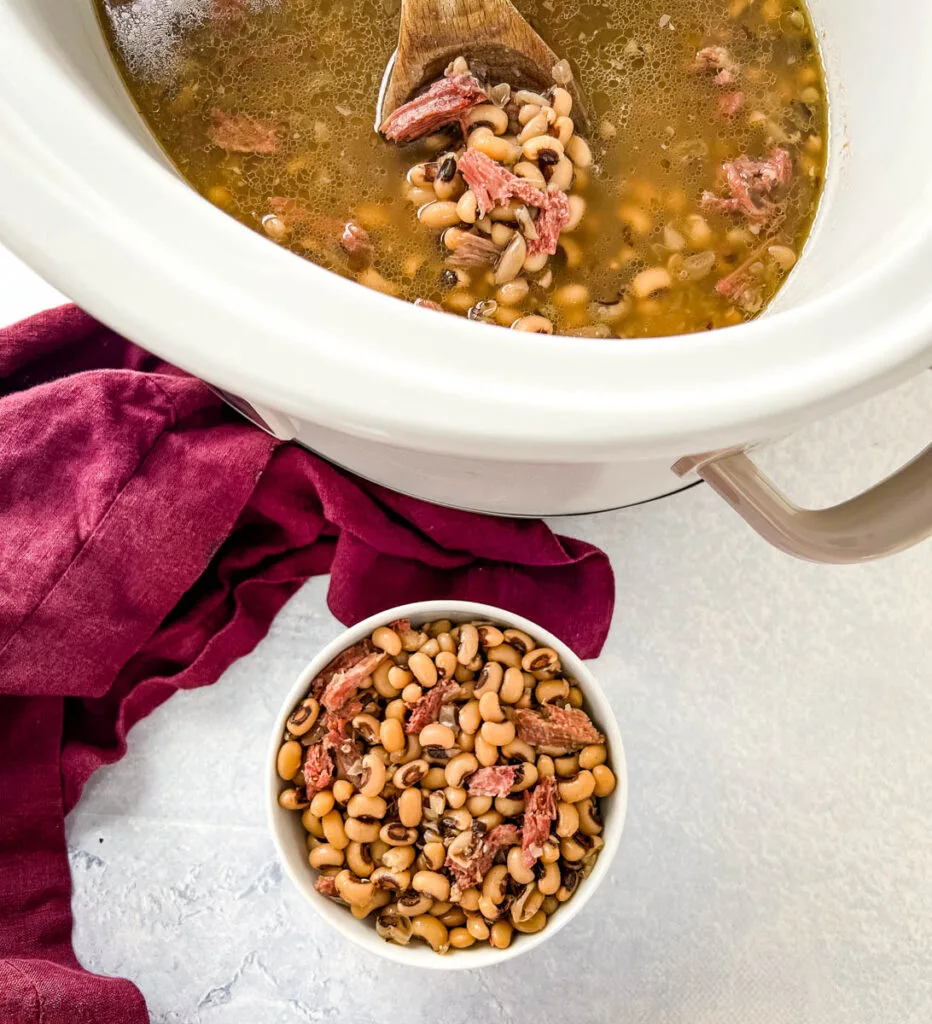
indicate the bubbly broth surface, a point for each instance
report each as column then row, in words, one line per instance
column 662, row 123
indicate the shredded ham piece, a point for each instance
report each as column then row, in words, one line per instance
column 553, row 218
column 494, row 781
column 553, row 726
column 750, row 184
column 318, row 768
column 730, row 103
column 719, row 60
column 493, row 184
column 539, row 812
column 326, row 885
column 474, row 251
column 426, row 709
column 442, row 104
column 344, row 659
column 480, row 860
column 239, row 133
column 343, row 684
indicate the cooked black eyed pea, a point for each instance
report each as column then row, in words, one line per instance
column 567, row 766
column 359, row 860
column 455, row 821
column 527, row 777
column 437, row 735
column 505, row 655
column 342, row 791
column 592, row 755
column 410, row 808
column 411, row 693
column 541, row 659
column 392, row 735
column 579, row 787
column 395, row 709
column 486, row 753
column 302, row 719
column 453, row 918
column 567, row 820
column 545, row 765
column 381, row 681
column 572, row 849
column 312, row 823
column 367, row 726
column 325, row 856
column 412, row 903
column 497, row 734
column 386, row 878
column 489, row 680
column 493, row 885
column 489, row 707
column 518, row 750
column 490, row 636
column 362, row 830
column 372, row 783
column 456, row 795
column 550, row 905
column 568, row 885
column 399, row 678
column 354, row 890
column 398, row 858
column 552, row 690
column 604, row 780
column 477, row 805
column 411, row 752
column 524, row 701
column 432, row 931
column 446, row 665
column 412, row 639
column 590, row 823
column 434, row 854
column 489, row 909
column 360, row 806
column 518, row 639
column 467, row 742
column 396, row 834
column 361, row 912
column 322, row 803
column 410, row 774
column 431, row 648
column 535, row 923
column 500, row 935
column 436, row 805
column 527, row 904
column 387, row 640
column 434, row 779
column 512, row 688
column 509, row 806
column 440, row 907
column 432, row 883
column 461, row 938
column 378, row 849
column 575, row 698
column 477, row 927
column 549, row 880
column 293, row 799
column 447, row 643
column 470, row 717
column 517, row 867
column 334, row 830
column 463, row 675
column 425, row 671
column 393, row 927
column 469, row 899
column 468, row 646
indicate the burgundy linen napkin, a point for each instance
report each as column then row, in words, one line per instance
column 148, row 535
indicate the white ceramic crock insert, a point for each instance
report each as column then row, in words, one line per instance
column 434, row 405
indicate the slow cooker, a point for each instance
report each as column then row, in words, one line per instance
column 467, row 414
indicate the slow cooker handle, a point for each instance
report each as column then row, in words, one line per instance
column 891, row 516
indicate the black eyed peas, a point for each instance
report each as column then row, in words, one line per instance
column 405, row 804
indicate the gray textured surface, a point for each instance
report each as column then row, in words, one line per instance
column 777, row 862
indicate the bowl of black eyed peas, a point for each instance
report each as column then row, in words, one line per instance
column 446, row 784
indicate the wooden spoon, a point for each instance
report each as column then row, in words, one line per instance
column 490, row 33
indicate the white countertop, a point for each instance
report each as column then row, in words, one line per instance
column 777, row 861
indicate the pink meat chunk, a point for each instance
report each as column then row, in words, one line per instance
column 539, row 813
column 336, row 721
column 346, row 682
column 442, row 104
column 553, row 218
column 494, row 185
column 474, row 868
column 345, row 658
column 426, row 709
column 239, row 133
column 716, row 59
column 730, row 103
column 326, row 885
column 400, row 625
column 349, row 754
column 554, row 726
column 356, row 243
column 318, row 768
column 429, row 304
column 494, row 781
column 474, row 251
column 751, row 182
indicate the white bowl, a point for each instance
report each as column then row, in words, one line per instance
column 289, row 835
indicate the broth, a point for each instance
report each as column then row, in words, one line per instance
column 662, row 123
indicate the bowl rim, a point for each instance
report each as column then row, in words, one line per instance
column 360, row 932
